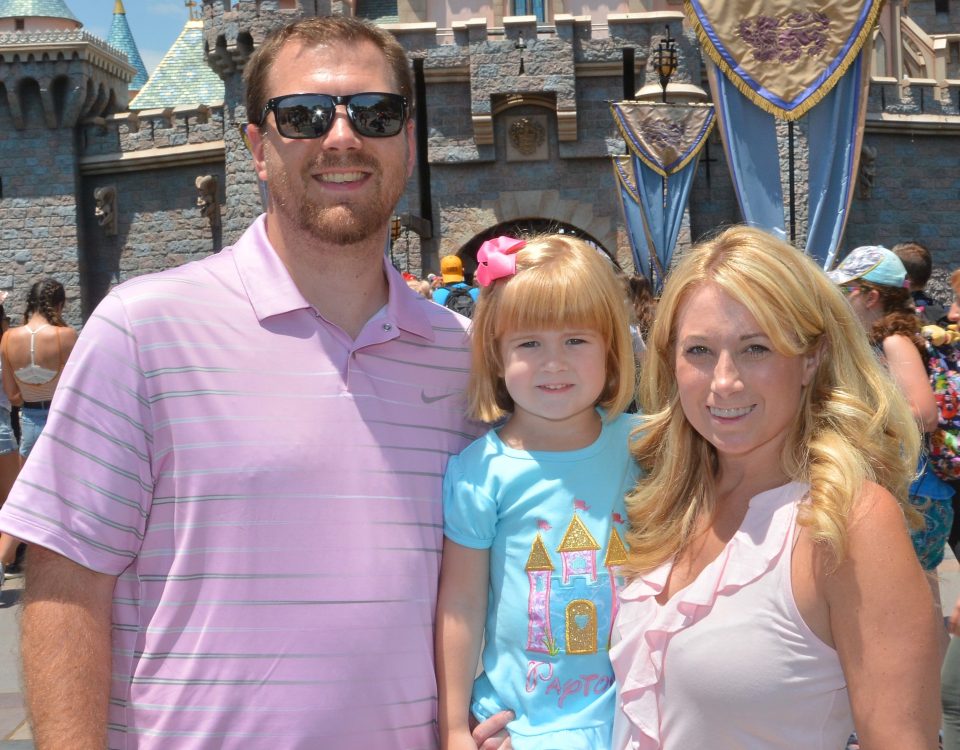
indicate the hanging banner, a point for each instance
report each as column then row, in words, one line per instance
column 783, row 55
column 665, row 141
column 637, row 231
column 665, row 137
column 834, row 132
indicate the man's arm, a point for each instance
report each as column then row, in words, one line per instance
column 65, row 645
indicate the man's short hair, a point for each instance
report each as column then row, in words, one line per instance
column 916, row 259
column 323, row 32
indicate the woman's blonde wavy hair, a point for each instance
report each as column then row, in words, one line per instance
column 853, row 424
column 560, row 281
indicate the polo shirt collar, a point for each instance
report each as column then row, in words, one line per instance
column 272, row 291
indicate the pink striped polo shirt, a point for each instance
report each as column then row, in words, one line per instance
column 268, row 492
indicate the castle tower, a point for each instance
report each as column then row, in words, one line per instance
column 36, row 15
column 122, row 39
column 52, row 75
column 539, row 573
column 232, row 30
column 615, row 557
column 578, row 550
column 182, row 79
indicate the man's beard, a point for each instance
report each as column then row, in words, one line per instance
column 340, row 224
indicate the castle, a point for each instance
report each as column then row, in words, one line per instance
column 514, row 132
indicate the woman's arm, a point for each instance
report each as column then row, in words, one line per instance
column 10, row 386
column 461, row 611
column 885, row 628
column 908, row 371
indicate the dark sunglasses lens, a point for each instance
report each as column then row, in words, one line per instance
column 304, row 116
column 376, row 115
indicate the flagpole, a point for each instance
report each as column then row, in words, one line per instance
column 791, row 187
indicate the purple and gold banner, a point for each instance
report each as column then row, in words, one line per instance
column 783, row 55
column 665, row 137
column 665, row 141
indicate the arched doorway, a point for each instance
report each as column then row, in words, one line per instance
column 524, row 228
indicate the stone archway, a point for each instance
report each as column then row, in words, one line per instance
column 524, row 228
column 544, row 208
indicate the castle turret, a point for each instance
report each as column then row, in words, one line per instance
column 122, row 39
column 182, row 79
column 36, row 15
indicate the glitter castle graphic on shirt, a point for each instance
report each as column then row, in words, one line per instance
column 585, row 591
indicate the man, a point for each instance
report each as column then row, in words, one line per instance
column 916, row 259
column 455, row 294
column 240, row 480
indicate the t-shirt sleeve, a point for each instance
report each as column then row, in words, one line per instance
column 86, row 490
column 469, row 513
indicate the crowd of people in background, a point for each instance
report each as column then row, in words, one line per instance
column 234, row 526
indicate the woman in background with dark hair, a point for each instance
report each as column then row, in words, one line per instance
column 872, row 278
column 32, row 359
column 643, row 306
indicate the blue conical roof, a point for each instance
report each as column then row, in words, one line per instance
column 122, row 39
column 183, row 78
column 36, row 9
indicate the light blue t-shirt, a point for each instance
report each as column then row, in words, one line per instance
column 555, row 525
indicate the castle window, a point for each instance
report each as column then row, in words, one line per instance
column 941, row 6
column 530, row 8
column 18, row 24
column 383, row 11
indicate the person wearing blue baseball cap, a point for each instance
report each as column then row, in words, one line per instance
column 874, row 281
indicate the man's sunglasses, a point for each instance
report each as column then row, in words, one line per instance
column 372, row 114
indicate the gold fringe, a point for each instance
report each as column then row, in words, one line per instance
column 811, row 101
column 694, row 150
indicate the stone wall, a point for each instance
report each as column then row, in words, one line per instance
column 158, row 226
column 152, row 161
column 914, row 195
column 38, row 214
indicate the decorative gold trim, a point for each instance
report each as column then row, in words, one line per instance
column 811, row 101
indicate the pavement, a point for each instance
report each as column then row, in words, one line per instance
column 15, row 732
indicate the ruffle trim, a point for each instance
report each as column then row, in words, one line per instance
column 646, row 630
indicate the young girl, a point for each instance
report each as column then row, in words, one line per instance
column 534, row 515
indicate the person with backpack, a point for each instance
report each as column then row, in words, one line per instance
column 455, row 294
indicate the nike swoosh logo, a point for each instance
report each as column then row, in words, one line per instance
column 430, row 399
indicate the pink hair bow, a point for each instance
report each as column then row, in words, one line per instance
column 496, row 259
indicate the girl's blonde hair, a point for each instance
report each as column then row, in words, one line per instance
column 560, row 281
column 853, row 423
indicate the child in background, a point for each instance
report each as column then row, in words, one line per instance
column 534, row 519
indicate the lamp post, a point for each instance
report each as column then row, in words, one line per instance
column 665, row 61
column 520, row 45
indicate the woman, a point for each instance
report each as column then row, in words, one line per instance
column 872, row 278
column 32, row 359
column 643, row 306
column 775, row 600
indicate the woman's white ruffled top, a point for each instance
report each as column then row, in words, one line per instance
column 728, row 662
